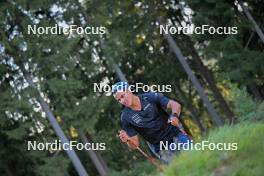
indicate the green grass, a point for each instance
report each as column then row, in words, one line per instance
column 247, row 160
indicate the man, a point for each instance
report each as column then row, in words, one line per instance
column 143, row 115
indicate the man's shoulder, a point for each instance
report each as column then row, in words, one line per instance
column 124, row 114
column 149, row 95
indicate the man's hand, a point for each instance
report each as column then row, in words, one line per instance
column 176, row 111
column 123, row 136
column 132, row 142
column 174, row 121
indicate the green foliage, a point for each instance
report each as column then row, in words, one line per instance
column 239, row 57
column 245, row 108
column 246, row 160
column 64, row 87
column 241, row 67
column 15, row 158
column 60, row 169
column 67, row 67
column 142, row 168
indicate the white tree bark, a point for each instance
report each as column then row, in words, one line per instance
column 100, row 166
column 71, row 153
column 251, row 19
column 216, row 118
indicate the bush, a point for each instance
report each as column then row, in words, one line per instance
column 248, row 159
column 245, row 107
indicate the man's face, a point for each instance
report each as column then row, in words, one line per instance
column 124, row 97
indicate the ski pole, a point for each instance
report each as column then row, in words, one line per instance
column 148, row 157
column 151, row 159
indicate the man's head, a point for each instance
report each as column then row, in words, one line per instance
column 122, row 93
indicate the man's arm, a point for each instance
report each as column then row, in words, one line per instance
column 132, row 142
column 175, row 108
column 165, row 102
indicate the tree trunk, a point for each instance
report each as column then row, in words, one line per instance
column 45, row 108
column 208, row 75
column 216, row 118
column 256, row 93
column 118, row 71
column 98, row 162
column 251, row 19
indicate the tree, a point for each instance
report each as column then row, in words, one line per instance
column 222, row 47
column 24, row 44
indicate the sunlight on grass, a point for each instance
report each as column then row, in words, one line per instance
column 247, row 160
